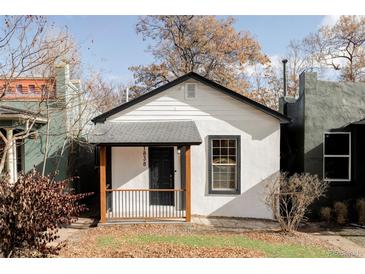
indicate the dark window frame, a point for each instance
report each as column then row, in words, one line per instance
column 237, row 190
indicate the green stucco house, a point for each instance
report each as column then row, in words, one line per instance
column 31, row 107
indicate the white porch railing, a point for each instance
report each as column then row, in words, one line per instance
column 145, row 204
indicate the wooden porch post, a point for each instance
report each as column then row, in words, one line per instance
column 102, row 160
column 188, row 183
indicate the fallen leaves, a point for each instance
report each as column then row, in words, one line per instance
column 171, row 241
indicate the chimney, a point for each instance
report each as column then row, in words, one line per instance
column 127, row 95
column 62, row 80
column 284, row 77
column 282, row 100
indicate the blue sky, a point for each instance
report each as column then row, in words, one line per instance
column 110, row 43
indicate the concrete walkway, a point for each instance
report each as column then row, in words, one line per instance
column 350, row 239
column 342, row 243
column 70, row 231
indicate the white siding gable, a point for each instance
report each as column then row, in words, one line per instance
column 172, row 104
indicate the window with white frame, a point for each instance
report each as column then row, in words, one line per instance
column 337, row 156
column 224, row 164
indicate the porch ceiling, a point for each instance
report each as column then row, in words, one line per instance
column 146, row 133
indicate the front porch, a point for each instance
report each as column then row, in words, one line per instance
column 147, row 179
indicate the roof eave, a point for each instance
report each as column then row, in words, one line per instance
column 127, row 144
column 22, row 117
column 281, row 117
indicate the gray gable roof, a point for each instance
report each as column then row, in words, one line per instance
column 146, row 133
column 192, row 75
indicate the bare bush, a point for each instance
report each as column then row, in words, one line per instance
column 360, row 208
column 290, row 196
column 31, row 212
column 341, row 211
column 326, row 214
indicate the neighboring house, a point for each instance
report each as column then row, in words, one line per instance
column 24, row 100
column 327, row 136
column 189, row 147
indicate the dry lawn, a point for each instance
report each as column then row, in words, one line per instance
column 190, row 241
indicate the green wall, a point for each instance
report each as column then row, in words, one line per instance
column 34, row 149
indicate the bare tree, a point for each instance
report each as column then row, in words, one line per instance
column 266, row 86
column 30, row 47
column 341, row 47
column 338, row 50
column 290, row 196
column 104, row 95
column 299, row 59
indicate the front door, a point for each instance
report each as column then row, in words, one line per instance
column 161, row 164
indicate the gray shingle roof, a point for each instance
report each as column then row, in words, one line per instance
column 133, row 133
column 12, row 110
column 11, row 113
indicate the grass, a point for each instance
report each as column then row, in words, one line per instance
column 274, row 250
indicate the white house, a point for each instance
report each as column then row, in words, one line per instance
column 190, row 147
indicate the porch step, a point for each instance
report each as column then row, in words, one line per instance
column 84, row 223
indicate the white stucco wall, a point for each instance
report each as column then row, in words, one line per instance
column 128, row 171
column 214, row 114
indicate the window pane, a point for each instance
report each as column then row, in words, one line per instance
column 224, row 143
column 232, row 160
column 224, row 177
column 216, row 151
column 337, row 144
column 224, row 160
column 336, row 168
column 216, row 177
column 232, row 184
column 216, row 159
column 224, row 151
column 216, row 143
column 232, row 151
column 232, row 143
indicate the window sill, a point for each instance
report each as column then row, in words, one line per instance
column 224, row 192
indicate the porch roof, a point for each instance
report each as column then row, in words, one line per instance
column 146, row 133
column 12, row 114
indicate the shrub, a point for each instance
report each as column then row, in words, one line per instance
column 325, row 213
column 341, row 211
column 290, row 196
column 360, row 208
column 31, row 212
